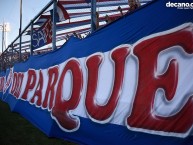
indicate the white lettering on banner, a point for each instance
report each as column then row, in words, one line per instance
column 141, row 82
column 180, row 5
column 42, row 36
column 8, row 80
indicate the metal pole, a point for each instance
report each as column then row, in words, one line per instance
column 20, row 36
column 93, row 15
column 54, row 25
column 12, row 54
column 1, row 68
column 2, row 61
column 2, row 49
column 31, row 33
column 2, row 36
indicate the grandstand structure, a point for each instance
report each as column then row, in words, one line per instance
column 76, row 22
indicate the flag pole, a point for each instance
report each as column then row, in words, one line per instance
column 2, row 35
column 54, row 25
column 31, row 35
column 93, row 15
column 20, row 30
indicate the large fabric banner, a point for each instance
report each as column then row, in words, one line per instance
column 129, row 83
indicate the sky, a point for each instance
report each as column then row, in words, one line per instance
column 10, row 12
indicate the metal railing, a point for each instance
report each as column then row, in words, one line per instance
column 17, row 51
column 21, row 48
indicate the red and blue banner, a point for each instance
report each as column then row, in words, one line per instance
column 127, row 83
column 43, row 35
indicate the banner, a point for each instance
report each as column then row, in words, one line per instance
column 43, row 35
column 127, row 83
